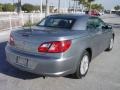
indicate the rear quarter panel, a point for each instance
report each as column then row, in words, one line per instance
column 79, row 45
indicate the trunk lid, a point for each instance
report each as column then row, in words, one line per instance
column 29, row 40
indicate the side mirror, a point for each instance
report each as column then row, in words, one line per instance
column 107, row 27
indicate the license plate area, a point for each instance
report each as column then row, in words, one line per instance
column 22, row 61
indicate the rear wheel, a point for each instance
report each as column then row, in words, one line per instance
column 83, row 66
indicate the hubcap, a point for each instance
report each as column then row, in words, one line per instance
column 84, row 64
column 111, row 43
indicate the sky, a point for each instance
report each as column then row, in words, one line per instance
column 108, row 4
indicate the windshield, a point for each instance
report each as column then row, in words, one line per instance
column 57, row 22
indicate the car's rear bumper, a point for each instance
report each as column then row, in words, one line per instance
column 46, row 66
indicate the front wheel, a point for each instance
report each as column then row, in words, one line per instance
column 83, row 66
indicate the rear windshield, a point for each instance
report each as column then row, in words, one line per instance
column 57, row 22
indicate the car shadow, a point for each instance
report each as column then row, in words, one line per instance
column 71, row 76
column 8, row 70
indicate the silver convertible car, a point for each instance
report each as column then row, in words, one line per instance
column 59, row 45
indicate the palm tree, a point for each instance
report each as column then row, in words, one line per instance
column 82, row 2
column 98, row 7
column 75, row 4
column 89, row 3
column 85, row 3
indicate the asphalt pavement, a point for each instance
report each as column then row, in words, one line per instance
column 103, row 74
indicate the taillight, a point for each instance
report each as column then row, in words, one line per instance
column 11, row 40
column 55, row 46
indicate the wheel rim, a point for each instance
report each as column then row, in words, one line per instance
column 111, row 43
column 84, row 65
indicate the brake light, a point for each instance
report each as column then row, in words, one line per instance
column 11, row 41
column 55, row 46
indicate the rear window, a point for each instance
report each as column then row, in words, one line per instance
column 57, row 22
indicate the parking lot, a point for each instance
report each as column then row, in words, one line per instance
column 104, row 72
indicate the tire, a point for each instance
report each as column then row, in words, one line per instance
column 110, row 45
column 83, row 66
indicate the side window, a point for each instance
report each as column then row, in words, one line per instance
column 42, row 22
column 93, row 23
column 101, row 22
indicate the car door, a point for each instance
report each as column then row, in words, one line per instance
column 93, row 26
column 106, row 34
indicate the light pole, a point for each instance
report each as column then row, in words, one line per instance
column 74, row 6
column 19, row 6
column 58, row 6
column 41, row 1
column 69, row 3
column 46, row 11
column 13, row 2
column 69, row 9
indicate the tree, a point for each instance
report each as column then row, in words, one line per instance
column 0, row 7
column 117, row 7
column 85, row 3
column 82, row 2
column 89, row 3
column 8, row 7
column 28, row 7
column 98, row 7
column 36, row 7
